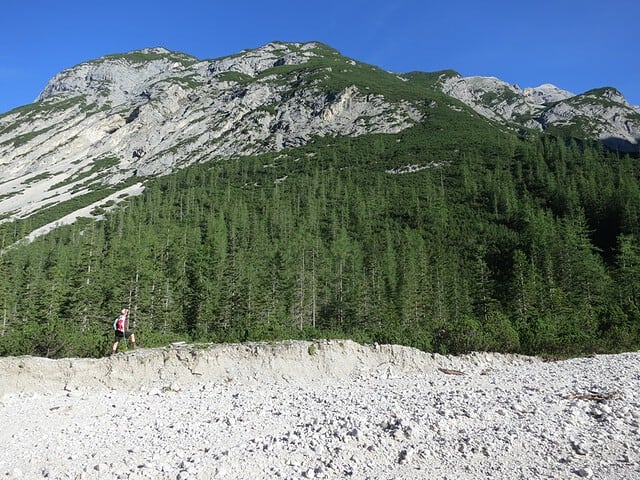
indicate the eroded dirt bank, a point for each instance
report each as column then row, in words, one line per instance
column 293, row 361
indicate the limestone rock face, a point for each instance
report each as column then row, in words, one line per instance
column 602, row 114
column 545, row 94
column 489, row 96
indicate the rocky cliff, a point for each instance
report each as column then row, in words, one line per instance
column 602, row 114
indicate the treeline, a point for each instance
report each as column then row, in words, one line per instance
column 528, row 246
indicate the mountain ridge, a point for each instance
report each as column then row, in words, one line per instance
column 150, row 111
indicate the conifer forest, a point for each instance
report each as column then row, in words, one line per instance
column 479, row 240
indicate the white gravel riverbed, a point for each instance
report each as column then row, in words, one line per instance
column 504, row 417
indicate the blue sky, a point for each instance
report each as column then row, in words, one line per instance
column 574, row 44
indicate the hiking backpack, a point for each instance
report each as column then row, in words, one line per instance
column 118, row 324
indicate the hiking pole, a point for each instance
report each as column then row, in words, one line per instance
column 126, row 327
column 124, row 330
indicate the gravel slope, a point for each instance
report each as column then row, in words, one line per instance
column 321, row 410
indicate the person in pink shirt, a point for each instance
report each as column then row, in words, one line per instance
column 120, row 327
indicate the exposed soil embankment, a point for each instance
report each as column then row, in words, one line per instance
column 294, row 361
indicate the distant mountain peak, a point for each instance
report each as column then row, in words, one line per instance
column 600, row 113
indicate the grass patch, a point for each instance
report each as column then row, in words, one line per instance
column 235, row 77
column 20, row 140
column 99, row 165
column 37, row 178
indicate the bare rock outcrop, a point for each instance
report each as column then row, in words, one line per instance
column 602, row 114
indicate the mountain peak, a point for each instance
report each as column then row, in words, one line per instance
column 546, row 93
column 254, row 61
column 609, row 93
column 610, row 117
column 151, row 111
column 159, row 50
column 115, row 78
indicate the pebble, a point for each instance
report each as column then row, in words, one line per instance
column 584, row 472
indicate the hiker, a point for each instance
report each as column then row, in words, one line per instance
column 120, row 326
